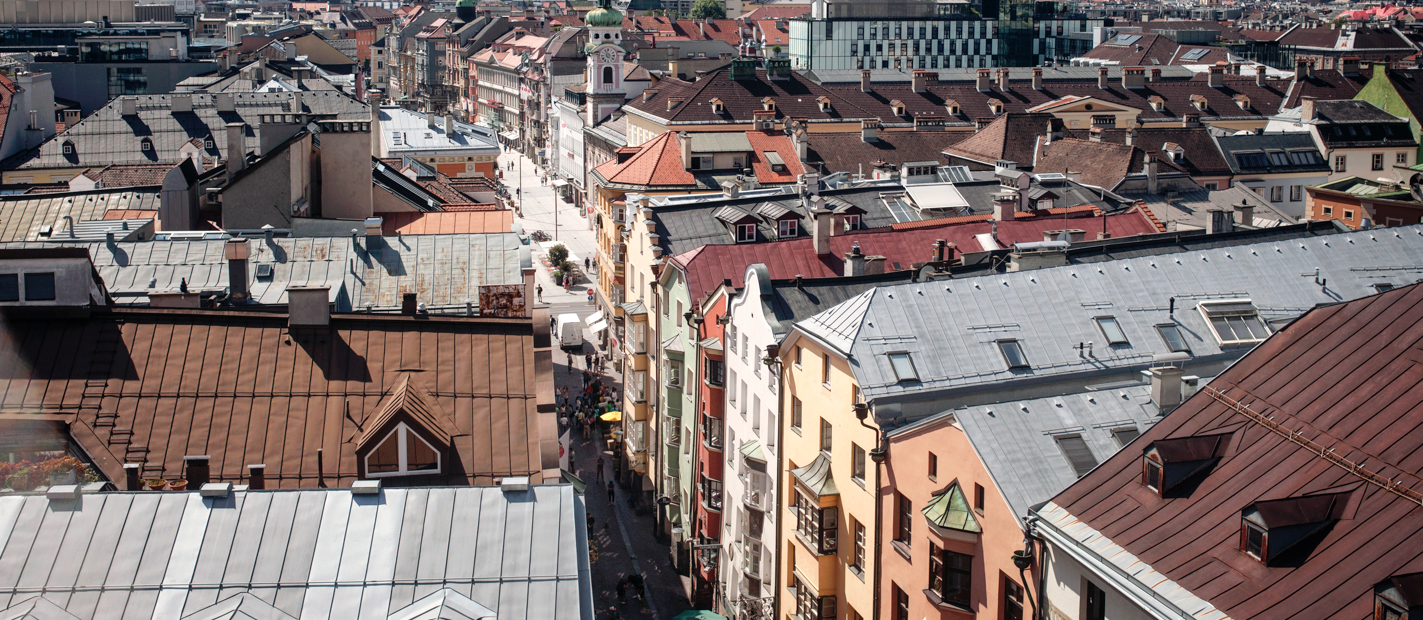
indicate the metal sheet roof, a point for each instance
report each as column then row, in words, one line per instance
column 1050, row 311
column 23, row 217
column 305, row 554
column 721, row 142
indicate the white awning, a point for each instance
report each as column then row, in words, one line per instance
column 599, row 326
column 594, row 318
column 560, row 182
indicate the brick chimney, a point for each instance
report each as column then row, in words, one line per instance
column 1303, row 68
column 1037, row 78
column 1155, row 74
column 684, row 140
column 919, row 81
column 1306, row 108
column 1260, row 75
column 1003, row 80
column 1349, row 65
column 869, row 130
column 865, row 80
column 1191, row 120
column 1005, row 206
column 1134, row 77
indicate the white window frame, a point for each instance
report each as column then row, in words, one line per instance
column 786, row 229
column 1112, row 330
column 402, row 429
column 742, row 237
column 1205, row 308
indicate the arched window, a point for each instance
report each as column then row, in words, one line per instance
column 607, row 76
column 402, row 452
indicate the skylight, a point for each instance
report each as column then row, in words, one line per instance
column 1235, row 321
column 1171, row 335
column 1195, row 54
column 1013, row 353
column 903, row 367
column 1112, row 330
column 1077, row 453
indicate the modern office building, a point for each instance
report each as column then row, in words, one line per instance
column 921, row 34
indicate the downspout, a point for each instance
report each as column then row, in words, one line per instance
column 780, row 468
column 878, row 455
column 696, row 322
column 1024, row 558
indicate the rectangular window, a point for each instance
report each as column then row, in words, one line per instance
column 933, row 466
column 825, row 369
column 714, row 372
column 903, row 367
column 1171, row 335
column 789, row 229
column 679, row 314
column 9, row 287
column 1235, row 322
column 731, row 393
column 825, row 433
column 1078, row 454
column 1277, row 192
column 1295, row 192
column 904, row 521
column 798, row 351
column 951, row 576
column 1112, row 330
column 1094, row 603
column 1340, row 163
column 756, row 362
column 857, row 555
column 1151, row 474
column 1348, row 214
column 857, row 459
column 1013, row 353
column 1377, row 161
column 39, row 286
column 1401, row 159
column 745, row 348
column 745, row 233
column 1125, row 435
column 795, row 413
column 818, row 527
column 1012, row 600
column 978, row 496
column 901, row 604
column 860, row 31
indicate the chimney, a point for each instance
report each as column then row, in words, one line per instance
column 1349, row 65
column 941, row 251
column 1302, row 68
column 1155, row 74
column 1306, row 108
column 1134, row 77
column 1247, row 212
column 1095, row 133
column 408, row 304
column 295, row 103
column 449, row 126
column 1217, row 76
column 1259, row 75
column 225, row 102
column 308, row 306
column 672, row 68
column 1005, row 206
column 854, row 262
column 1037, row 78
column 130, row 106
column 236, row 149
column 1166, row 387
column 236, row 251
column 1235, row 68
column 196, row 470
column 377, row 138
column 869, row 130
column 684, row 139
column 1191, row 120
column 917, row 81
column 181, row 103
column 430, row 121
column 984, row 81
column 1102, row 78
column 1130, row 139
column 1151, row 181
column 823, row 229
column 864, row 80
column 1219, row 221
column 256, row 477
column 133, row 481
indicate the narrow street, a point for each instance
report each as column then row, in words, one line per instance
column 622, row 543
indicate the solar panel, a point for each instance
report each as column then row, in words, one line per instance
column 955, row 174
column 1195, row 54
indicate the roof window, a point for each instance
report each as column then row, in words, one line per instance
column 402, row 452
column 1112, row 330
column 1168, row 463
column 1078, row 454
column 718, row 107
column 1125, row 435
column 903, row 366
column 824, row 104
column 1013, row 353
column 1279, row 532
column 1235, row 321
column 1399, row 597
column 1171, row 334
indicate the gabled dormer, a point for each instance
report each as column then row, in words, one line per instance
column 768, row 104
column 408, row 434
column 824, row 103
column 741, row 224
column 897, row 107
column 1157, row 103
column 718, row 106
column 1200, row 102
column 145, row 147
column 1168, row 464
column 69, row 151
column 952, row 107
column 784, row 221
column 1283, row 531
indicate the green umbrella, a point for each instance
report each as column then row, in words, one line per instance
column 699, row 614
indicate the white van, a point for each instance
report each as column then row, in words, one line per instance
column 570, row 331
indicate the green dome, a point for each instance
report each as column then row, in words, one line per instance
column 604, row 18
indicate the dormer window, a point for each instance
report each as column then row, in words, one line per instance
column 68, row 148
column 1242, row 101
column 952, row 107
column 1012, row 351
column 788, row 229
column 824, row 104
column 773, row 158
column 768, row 105
column 1167, row 463
column 1157, row 103
column 1399, row 597
column 745, row 233
column 897, row 106
column 406, row 435
column 402, row 452
column 1235, row 321
column 717, row 106
column 146, row 145
column 1271, row 530
column 995, row 106
column 209, row 144
column 1200, row 102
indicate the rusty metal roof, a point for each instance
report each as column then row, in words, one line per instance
column 150, row 386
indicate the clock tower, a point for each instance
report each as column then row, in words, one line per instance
column 605, row 61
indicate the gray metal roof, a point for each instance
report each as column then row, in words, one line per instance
column 307, row 554
column 951, row 327
column 736, row 142
column 444, row 271
column 107, row 137
column 23, row 217
column 1016, row 441
column 682, row 227
column 1190, row 210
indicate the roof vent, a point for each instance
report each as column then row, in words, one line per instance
column 365, row 487
column 216, row 489
column 509, row 484
column 62, row 492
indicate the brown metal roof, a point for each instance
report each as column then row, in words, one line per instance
column 150, row 385
column 1349, row 379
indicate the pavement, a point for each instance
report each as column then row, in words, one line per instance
column 618, row 553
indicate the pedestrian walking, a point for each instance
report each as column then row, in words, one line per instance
column 610, row 492
column 539, row 289
column 570, row 363
column 588, row 361
column 622, row 589
column 587, row 263
column 599, row 477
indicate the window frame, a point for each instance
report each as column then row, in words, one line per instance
column 1120, row 337
column 796, row 414
column 825, row 369
column 948, row 567
column 1210, row 315
column 1376, row 161
column 11, row 285
column 787, row 229
column 36, row 285
column 1094, row 602
column 1149, row 466
column 894, row 365
column 403, row 430
column 1161, row 330
column 857, row 463
column 1246, row 529
column 1003, row 346
column 827, row 436
column 1341, row 163
column 903, row 520
column 741, row 233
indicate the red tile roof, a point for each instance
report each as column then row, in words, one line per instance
column 762, row 142
column 658, row 162
column 1102, row 164
column 707, row 266
column 1011, row 136
column 492, row 221
column 1345, row 378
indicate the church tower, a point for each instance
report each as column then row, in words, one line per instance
column 605, row 61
